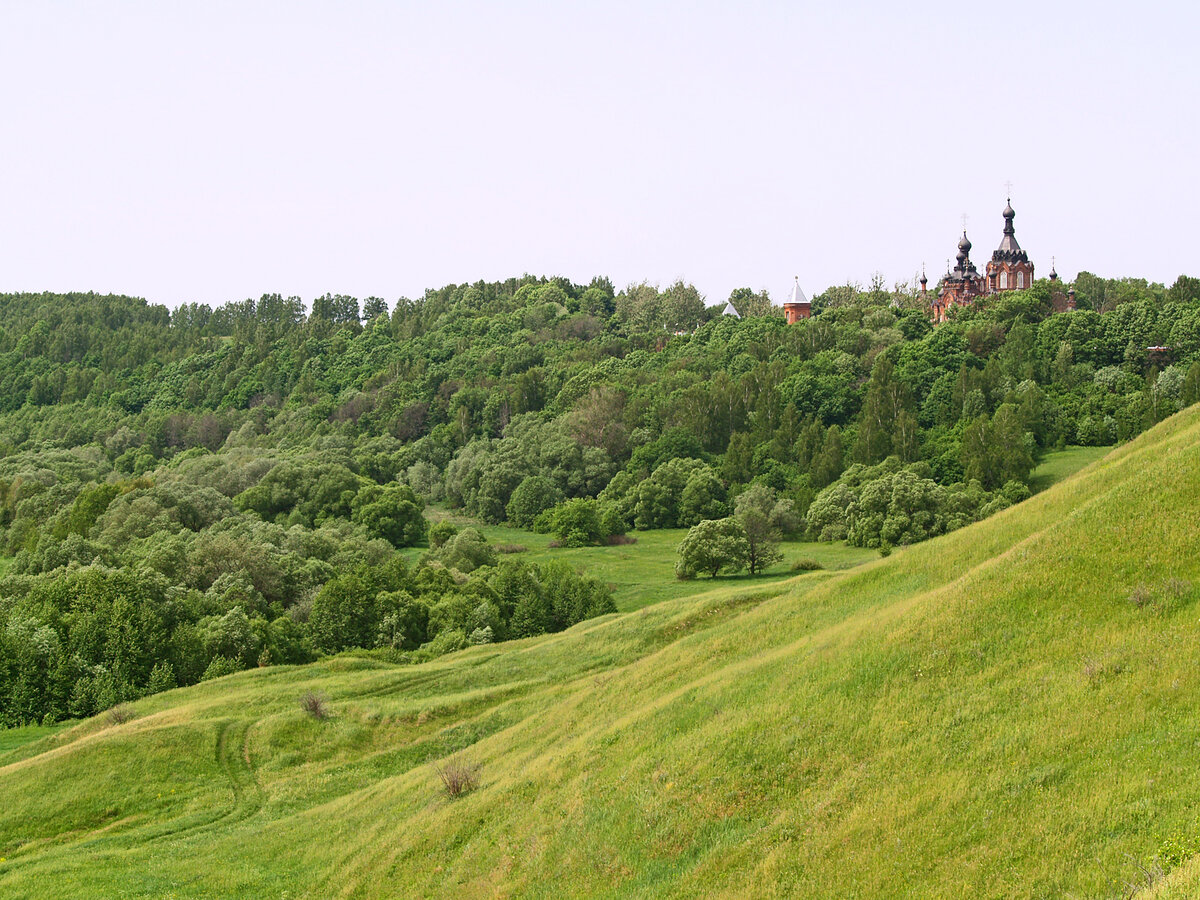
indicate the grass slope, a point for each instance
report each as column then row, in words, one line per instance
column 989, row 714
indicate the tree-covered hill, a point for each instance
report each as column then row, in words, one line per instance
column 189, row 492
column 1004, row 711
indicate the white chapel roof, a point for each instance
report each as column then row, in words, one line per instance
column 797, row 294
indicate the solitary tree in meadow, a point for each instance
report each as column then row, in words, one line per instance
column 713, row 546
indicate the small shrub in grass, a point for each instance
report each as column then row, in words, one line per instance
column 459, row 774
column 806, row 565
column 445, row 642
column 1176, row 588
column 1170, row 597
column 619, row 540
column 120, row 714
column 1175, row 592
column 220, row 667
column 315, row 705
column 511, row 548
column 1096, row 671
column 1141, row 596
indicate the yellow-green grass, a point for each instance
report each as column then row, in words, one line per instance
column 643, row 572
column 1059, row 464
column 988, row 714
column 1181, row 884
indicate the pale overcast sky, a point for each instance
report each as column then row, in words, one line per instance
column 215, row 151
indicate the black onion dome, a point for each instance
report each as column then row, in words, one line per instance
column 1009, row 248
column 965, row 244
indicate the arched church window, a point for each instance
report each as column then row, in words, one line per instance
column 1020, row 279
column 1003, row 280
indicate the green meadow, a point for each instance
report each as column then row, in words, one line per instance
column 643, row 572
column 1006, row 711
column 1059, row 464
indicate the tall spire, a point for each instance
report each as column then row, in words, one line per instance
column 1008, row 244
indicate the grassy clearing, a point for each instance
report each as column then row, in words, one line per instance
column 644, row 572
column 988, row 714
column 1059, row 464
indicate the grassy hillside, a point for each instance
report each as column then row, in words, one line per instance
column 1006, row 711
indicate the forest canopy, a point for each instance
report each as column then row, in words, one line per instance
column 185, row 493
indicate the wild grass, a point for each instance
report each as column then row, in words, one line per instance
column 917, row 726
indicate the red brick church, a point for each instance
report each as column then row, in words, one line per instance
column 1009, row 269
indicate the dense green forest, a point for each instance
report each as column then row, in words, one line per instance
column 185, row 493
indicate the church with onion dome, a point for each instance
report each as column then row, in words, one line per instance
column 1009, row 269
